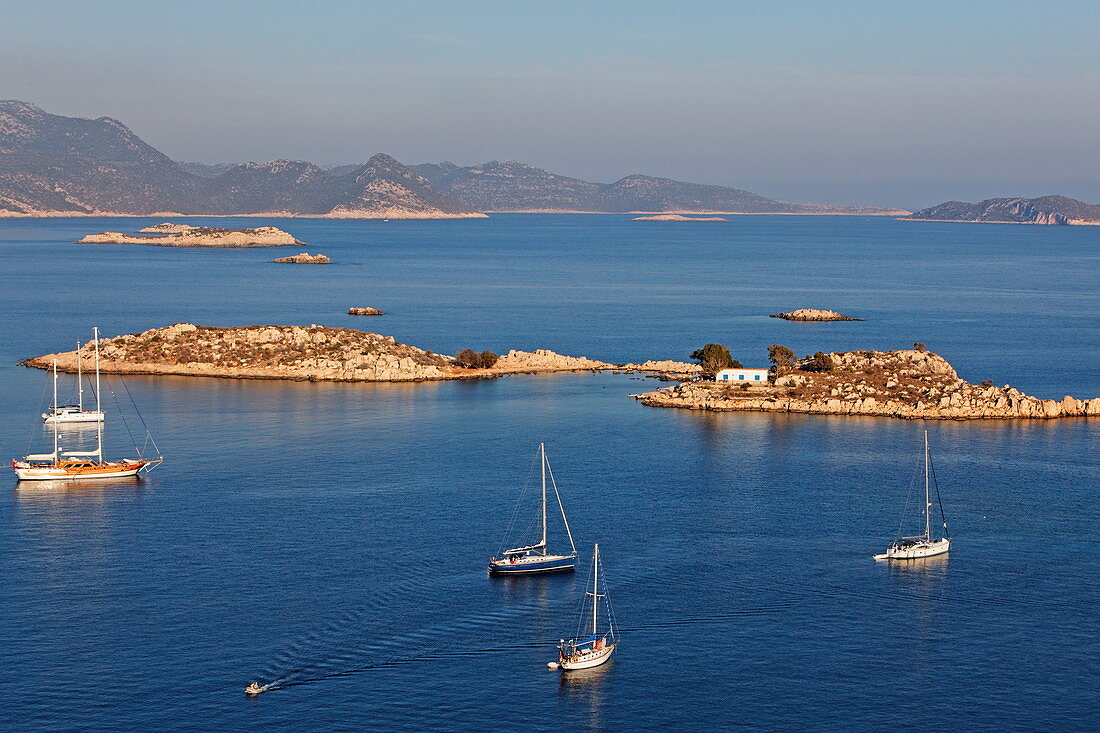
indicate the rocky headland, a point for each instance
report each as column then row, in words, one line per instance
column 678, row 217
column 184, row 235
column 304, row 258
column 1048, row 210
column 365, row 312
column 814, row 314
column 906, row 384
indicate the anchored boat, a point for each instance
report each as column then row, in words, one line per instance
column 536, row 558
column 70, row 465
column 922, row 545
column 596, row 647
column 72, row 413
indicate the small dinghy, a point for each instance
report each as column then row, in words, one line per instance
column 595, row 648
column 254, row 689
column 924, row 545
column 536, row 557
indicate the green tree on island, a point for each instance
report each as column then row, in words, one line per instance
column 714, row 358
column 470, row 359
column 781, row 356
column 821, row 362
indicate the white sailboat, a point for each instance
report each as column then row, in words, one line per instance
column 596, row 648
column 72, row 413
column 78, row 465
column 922, row 545
column 537, row 558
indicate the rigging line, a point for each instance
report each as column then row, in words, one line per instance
column 41, row 402
column 560, row 507
column 909, row 496
column 932, row 470
column 148, row 433
column 515, row 508
column 121, row 414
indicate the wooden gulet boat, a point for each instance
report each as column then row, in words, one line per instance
column 536, row 558
column 62, row 465
column 595, row 648
column 924, row 545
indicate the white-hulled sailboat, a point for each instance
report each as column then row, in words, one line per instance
column 537, row 558
column 595, row 648
column 78, row 465
column 923, row 545
column 72, row 413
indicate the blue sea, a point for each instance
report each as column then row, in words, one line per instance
column 332, row 538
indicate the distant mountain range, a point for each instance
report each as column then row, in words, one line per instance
column 1057, row 210
column 52, row 165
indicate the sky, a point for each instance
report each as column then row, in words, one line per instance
column 882, row 103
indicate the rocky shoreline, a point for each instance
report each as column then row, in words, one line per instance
column 185, row 235
column 903, row 384
column 678, row 217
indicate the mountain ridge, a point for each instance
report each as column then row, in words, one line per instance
column 1048, row 210
column 51, row 165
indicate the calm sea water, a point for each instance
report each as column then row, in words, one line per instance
column 334, row 537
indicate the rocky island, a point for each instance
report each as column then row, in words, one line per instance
column 678, row 217
column 813, row 314
column 184, row 235
column 1050, row 210
column 907, row 384
column 365, row 312
column 304, row 258
column 314, row 353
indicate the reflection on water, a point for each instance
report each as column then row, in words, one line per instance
column 87, row 491
column 587, row 687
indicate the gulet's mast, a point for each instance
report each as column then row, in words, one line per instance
column 595, row 585
column 98, row 407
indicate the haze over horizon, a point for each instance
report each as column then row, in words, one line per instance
column 850, row 103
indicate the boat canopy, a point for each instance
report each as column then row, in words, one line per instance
column 81, row 453
column 41, row 457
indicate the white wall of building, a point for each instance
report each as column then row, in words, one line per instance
column 752, row 376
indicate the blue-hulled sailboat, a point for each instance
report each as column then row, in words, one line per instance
column 537, row 558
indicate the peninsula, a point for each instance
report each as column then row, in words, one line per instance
column 906, row 384
column 184, row 235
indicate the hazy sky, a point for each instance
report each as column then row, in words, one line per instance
column 894, row 103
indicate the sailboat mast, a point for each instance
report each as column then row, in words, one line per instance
column 79, row 379
column 927, row 497
column 98, row 407
column 542, row 454
column 595, row 585
column 55, row 410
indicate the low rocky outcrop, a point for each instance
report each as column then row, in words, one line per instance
column 544, row 360
column 813, row 314
column 663, row 367
column 365, row 312
column 184, row 235
column 304, row 258
column 906, row 384
column 678, row 217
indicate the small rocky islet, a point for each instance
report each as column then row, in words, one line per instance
column 814, row 314
column 304, row 258
column 909, row 383
column 185, row 235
